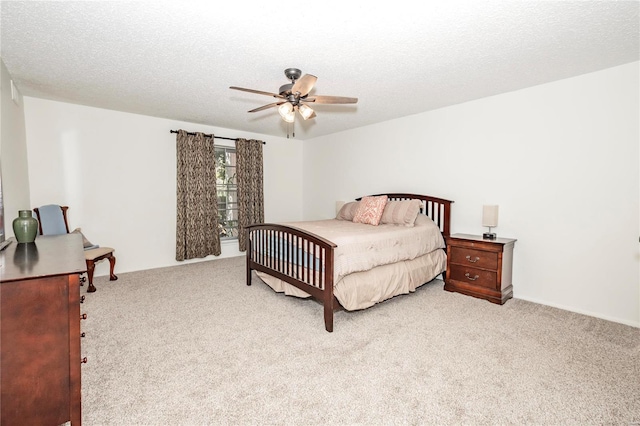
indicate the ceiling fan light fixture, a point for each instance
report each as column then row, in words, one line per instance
column 306, row 112
column 287, row 112
column 294, row 96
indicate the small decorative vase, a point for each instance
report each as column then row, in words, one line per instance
column 25, row 227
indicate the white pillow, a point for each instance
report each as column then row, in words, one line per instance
column 348, row 211
column 402, row 212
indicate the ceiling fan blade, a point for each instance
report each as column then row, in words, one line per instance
column 259, row 92
column 304, row 84
column 275, row 104
column 330, row 100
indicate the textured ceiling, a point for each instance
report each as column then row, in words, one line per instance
column 177, row 59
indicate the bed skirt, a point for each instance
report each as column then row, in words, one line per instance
column 362, row 290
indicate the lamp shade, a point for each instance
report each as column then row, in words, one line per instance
column 286, row 112
column 490, row 216
column 306, row 112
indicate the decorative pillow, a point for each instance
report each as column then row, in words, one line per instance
column 401, row 212
column 370, row 210
column 348, row 211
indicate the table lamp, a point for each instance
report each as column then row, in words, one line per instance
column 490, row 220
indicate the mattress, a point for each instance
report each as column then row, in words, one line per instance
column 361, row 247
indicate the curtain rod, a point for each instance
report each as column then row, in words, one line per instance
column 211, row 136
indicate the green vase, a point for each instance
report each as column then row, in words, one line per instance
column 25, row 227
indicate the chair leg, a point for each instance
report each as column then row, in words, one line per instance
column 112, row 264
column 90, row 267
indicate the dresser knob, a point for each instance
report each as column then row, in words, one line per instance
column 474, row 260
column 82, row 334
column 83, row 316
column 83, row 360
column 82, row 299
column 471, row 279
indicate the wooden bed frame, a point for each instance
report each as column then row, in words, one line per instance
column 265, row 238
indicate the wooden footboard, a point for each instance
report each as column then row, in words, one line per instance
column 300, row 258
column 306, row 260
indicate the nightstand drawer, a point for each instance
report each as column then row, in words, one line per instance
column 477, row 277
column 474, row 258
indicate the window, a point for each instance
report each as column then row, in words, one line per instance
column 227, row 192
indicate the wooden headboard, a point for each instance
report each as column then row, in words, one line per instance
column 438, row 209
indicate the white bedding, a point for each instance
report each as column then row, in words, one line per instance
column 361, row 247
column 375, row 263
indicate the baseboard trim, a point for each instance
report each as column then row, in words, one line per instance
column 635, row 324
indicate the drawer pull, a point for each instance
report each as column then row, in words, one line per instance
column 83, row 360
column 82, row 299
column 82, row 334
column 474, row 260
column 83, row 316
column 475, row 277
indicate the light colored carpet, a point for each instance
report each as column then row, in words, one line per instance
column 193, row 345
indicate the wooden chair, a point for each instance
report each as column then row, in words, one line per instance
column 52, row 220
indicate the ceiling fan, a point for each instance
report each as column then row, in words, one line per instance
column 295, row 96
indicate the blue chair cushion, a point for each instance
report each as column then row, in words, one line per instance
column 52, row 220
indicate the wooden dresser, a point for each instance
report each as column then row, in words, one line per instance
column 40, row 331
column 480, row 268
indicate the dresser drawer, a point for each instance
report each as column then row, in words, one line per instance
column 477, row 277
column 474, row 258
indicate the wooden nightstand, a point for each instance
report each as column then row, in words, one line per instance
column 480, row 268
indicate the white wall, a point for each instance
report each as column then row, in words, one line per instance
column 117, row 173
column 561, row 160
column 13, row 153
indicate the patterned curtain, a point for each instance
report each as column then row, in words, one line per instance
column 249, row 179
column 197, row 233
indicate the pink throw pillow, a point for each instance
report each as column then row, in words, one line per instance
column 370, row 210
